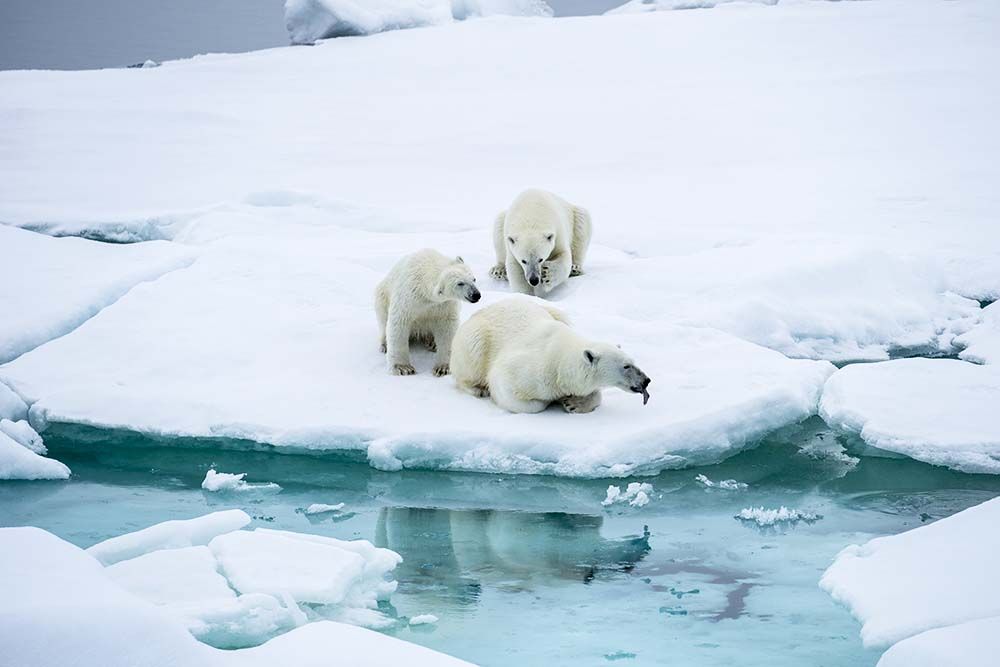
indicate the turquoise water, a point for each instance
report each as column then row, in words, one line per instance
column 532, row 570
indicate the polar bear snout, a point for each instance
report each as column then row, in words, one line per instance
column 533, row 279
column 472, row 294
column 638, row 383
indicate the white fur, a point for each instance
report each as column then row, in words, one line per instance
column 418, row 300
column 525, row 356
column 541, row 235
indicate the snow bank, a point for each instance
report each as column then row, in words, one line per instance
column 19, row 462
column 59, row 602
column 934, row 576
column 966, row 644
column 770, row 517
column 49, row 287
column 940, row 411
column 226, row 481
column 174, row 534
column 12, row 406
column 22, row 433
column 310, row 20
column 982, row 343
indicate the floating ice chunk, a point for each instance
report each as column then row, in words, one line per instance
column 636, row 494
column 982, row 343
column 727, row 484
column 12, row 406
column 19, row 462
column 22, row 433
column 320, row 508
column 936, row 575
column 174, row 534
column 940, row 411
column 423, row 619
column 275, row 562
column 188, row 574
column 225, row 481
column 769, row 517
column 968, row 644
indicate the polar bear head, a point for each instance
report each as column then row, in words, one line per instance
column 457, row 282
column 530, row 249
column 608, row 366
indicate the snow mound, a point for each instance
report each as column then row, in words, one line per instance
column 22, row 433
column 771, row 517
column 60, row 602
column 636, row 495
column 982, row 343
column 174, row 534
column 934, row 576
column 966, row 644
column 12, row 406
column 940, row 411
column 310, row 20
column 320, row 508
column 20, row 462
column 726, row 484
column 227, row 481
column 66, row 282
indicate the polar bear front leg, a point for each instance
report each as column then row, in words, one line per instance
column 444, row 332
column 515, row 275
column 398, row 343
column 554, row 273
column 581, row 404
column 499, row 270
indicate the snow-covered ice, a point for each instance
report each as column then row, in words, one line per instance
column 173, row 534
column 50, row 286
column 227, row 481
column 643, row 6
column 62, row 605
column 22, row 433
column 934, row 576
column 636, row 494
column 20, row 462
column 982, row 342
column 322, row 508
column 725, row 484
column 423, row 619
column 969, row 644
column 310, row 20
column 941, row 411
column 770, row 517
column 12, row 406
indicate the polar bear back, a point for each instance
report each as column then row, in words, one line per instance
column 483, row 338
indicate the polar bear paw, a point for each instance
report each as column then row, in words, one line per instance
column 403, row 369
column 578, row 405
column 575, row 270
column 441, row 370
column 499, row 272
column 382, row 346
column 548, row 280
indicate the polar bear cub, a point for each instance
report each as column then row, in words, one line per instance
column 525, row 356
column 418, row 300
column 540, row 241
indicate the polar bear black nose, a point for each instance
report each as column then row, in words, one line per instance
column 533, row 280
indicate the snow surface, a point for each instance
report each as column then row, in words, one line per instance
column 934, row 576
column 970, row 644
column 940, row 411
column 174, row 534
column 227, row 481
column 642, row 6
column 22, row 433
column 310, row 20
column 12, row 407
column 61, row 605
column 982, row 342
column 19, row 462
column 321, row 508
column 48, row 287
column 770, row 517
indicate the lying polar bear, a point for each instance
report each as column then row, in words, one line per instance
column 418, row 300
column 540, row 241
column 525, row 356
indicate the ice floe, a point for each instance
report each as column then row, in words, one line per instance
column 940, row 411
column 19, row 462
column 934, row 576
column 982, row 343
column 173, row 534
column 423, row 619
column 636, row 494
column 12, row 406
column 227, row 481
column 771, row 517
column 50, row 286
column 969, row 644
column 725, row 484
column 22, row 433
column 321, row 508
column 62, row 602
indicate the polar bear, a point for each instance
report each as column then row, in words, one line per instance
column 540, row 241
column 525, row 356
column 418, row 300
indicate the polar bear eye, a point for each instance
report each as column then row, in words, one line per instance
column 524, row 261
column 626, row 367
column 461, row 284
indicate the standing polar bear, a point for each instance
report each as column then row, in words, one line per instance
column 525, row 356
column 418, row 300
column 540, row 241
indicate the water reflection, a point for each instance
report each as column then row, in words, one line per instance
column 448, row 555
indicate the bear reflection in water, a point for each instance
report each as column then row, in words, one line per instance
column 449, row 554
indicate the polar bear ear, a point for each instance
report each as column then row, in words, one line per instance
column 458, row 258
column 590, row 357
